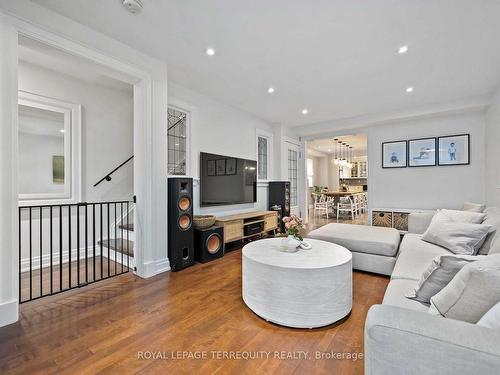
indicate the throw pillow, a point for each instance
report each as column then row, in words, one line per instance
column 464, row 216
column 473, row 207
column 441, row 271
column 492, row 318
column 458, row 237
column 472, row 292
column 493, row 219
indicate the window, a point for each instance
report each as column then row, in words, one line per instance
column 292, row 176
column 177, row 141
column 310, row 172
column 264, row 149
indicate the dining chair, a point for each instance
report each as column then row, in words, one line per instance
column 346, row 204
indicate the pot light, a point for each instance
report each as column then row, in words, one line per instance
column 210, row 51
column 61, row 130
column 305, row 111
column 409, row 89
column 270, row 90
column 402, row 49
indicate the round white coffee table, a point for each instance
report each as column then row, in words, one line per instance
column 306, row 289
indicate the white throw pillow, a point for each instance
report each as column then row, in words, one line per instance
column 474, row 207
column 441, row 271
column 492, row 318
column 458, row 237
column 464, row 216
column 473, row 291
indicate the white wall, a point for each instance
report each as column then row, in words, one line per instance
column 429, row 187
column 221, row 129
column 107, row 128
column 493, row 152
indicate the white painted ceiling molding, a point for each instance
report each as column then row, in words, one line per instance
column 342, row 126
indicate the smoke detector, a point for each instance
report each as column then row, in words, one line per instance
column 133, row 6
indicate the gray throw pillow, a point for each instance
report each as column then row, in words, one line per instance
column 458, row 237
column 464, row 216
column 473, row 207
column 493, row 219
column 441, row 271
column 492, row 318
column 473, row 291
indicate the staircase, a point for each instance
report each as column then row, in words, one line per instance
column 122, row 246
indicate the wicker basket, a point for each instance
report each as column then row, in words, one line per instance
column 203, row 221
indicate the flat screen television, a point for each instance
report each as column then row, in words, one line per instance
column 226, row 180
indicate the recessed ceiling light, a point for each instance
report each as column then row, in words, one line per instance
column 402, row 49
column 409, row 89
column 61, row 130
column 210, row 51
column 305, row 111
column 270, row 90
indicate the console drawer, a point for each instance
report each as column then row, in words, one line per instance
column 233, row 230
column 270, row 222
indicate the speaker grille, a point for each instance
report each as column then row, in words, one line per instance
column 184, row 222
column 214, row 242
column 184, row 203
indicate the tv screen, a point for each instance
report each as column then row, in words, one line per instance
column 227, row 180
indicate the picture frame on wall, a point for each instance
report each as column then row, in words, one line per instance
column 230, row 167
column 454, row 150
column 394, row 154
column 221, row 167
column 422, row 152
column 211, row 168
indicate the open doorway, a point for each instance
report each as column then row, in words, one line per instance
column 75, row 171
column 337, row 180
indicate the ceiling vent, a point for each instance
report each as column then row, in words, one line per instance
column 133, row 6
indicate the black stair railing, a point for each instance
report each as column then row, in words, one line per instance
column 62, row 247
column 108, row 176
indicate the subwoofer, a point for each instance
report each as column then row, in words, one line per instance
column 209, row 244
column 180, row 223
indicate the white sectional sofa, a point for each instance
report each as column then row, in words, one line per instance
column 401, row 337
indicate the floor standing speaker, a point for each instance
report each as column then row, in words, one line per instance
column 209, row 244
column 180, row 223
column 279, row 195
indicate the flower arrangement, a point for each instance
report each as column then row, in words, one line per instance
column 293, row 226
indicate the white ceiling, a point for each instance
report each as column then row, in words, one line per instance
column 335, row 57
column 359, row 142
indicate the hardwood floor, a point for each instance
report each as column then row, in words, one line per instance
column 103, row 327
column 320, row 220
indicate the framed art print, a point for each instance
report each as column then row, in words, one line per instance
column 394, row 154
column 230, row 166
column 422, row 152
column 221, row 167
column 454, row 150
column 211, row 168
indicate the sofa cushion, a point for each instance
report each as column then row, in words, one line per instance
column 418, row 222
column 472, row 292
column 395, row 295
column 440, row 272
column 414, row 258
column 473, row 207
column 360, row 238
column 464, row 216
column 458, row 237
column 492, row 318
column 493, row 219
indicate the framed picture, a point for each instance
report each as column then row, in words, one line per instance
column 454, row 150
column 221, row 167
column 422, row 152
column 58, row 169
column 211, row 168
column 394, row 154
column 230, row 166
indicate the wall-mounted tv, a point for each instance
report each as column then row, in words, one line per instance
column 227, row 180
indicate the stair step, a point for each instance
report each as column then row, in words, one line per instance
column 116, row 244
column 129, row 227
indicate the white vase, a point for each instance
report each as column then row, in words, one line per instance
column 291, row 244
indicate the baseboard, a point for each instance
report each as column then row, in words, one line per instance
column 9, row 312
column 155, row 267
